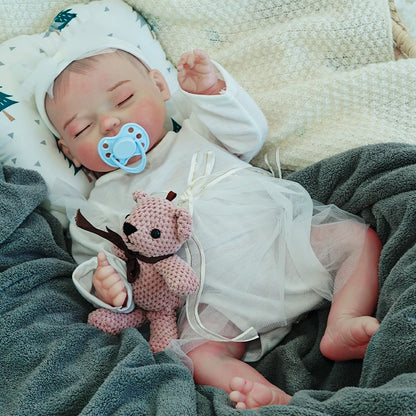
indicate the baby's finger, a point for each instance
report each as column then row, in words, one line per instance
column 190, row 60
column 107, row 277
column 116, row 288
column 180, row 63
column 117, row 293
column 102, row 272
column 184, row 60
column 202, row 55
column 102, row 260
column 119, row 299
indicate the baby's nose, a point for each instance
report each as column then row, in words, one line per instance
column 129, row 228
column 110, row 125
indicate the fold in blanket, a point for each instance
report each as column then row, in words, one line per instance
column 55, row 364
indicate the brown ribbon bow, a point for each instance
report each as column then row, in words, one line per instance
column 133, row 266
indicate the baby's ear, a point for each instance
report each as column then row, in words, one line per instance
column 160, row 82
column 67, row 153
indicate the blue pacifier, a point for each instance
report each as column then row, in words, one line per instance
column 131, row 140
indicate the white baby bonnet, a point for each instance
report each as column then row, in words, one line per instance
column 84, row 37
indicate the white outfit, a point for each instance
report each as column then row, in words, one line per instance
column 252, row 231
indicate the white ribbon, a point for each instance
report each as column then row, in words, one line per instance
column 202, row 165
column 197, row 184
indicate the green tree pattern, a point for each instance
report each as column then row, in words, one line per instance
column 60, row 21
column 5, row 102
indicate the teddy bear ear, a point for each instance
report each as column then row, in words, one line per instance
column 139, row 194
column 184, row 224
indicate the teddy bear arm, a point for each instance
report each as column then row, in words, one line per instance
column 178, row 275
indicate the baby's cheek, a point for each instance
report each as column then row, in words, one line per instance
column 150, row 115
column 89, row 157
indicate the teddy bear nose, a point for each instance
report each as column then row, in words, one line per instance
column 128, row 228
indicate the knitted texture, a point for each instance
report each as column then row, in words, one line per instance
column 26, row 17
column 161, row 227
column 112, row 323
column 155, row 227
column 322, row 71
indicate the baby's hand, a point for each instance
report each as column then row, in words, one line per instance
column 197, row 74
column 107, row 283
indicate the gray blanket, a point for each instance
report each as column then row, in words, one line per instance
column 52, row 363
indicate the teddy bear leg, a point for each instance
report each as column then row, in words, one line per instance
column 113, row 322
column 163, row 329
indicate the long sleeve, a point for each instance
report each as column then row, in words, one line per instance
column 82, row 278
column 231, row 118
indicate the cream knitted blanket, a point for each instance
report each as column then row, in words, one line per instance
column 323, row 71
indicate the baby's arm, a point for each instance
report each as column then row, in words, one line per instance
column 219, row 108
column 197, row 74
column 107, row 283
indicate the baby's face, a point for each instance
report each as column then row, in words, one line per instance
column 97, row 102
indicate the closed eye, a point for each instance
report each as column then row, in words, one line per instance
column 125, row 100
column 82, row 131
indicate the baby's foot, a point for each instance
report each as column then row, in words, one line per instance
column 250, row 395
column 348, row 338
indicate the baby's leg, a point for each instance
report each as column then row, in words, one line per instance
column 219, row 364
column 350, row 324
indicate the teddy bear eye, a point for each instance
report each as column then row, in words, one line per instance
column 155, row 233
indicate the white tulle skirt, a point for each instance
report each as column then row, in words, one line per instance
column 270, row 254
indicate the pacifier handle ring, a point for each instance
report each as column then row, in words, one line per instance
column 136, row 169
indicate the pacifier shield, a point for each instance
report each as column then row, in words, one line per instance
column 131, row 140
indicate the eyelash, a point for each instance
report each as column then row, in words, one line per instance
column 124, row 101
column 80, row 132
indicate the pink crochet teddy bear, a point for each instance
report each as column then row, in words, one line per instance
column 152, row 233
